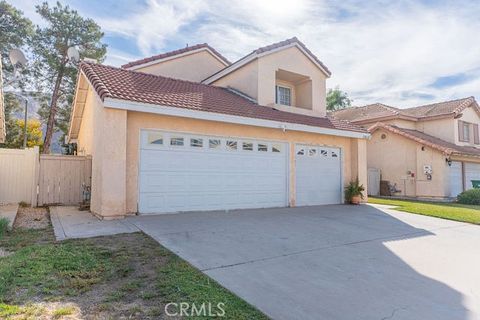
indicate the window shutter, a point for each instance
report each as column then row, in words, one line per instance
column 476, row 138
column 460, row 131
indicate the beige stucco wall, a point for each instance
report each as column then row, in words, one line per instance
column 244, row 79
column 440, row 128
column 258, row 78
column 137, row 121
column 396, row 155
column 193, row 67
column 103, row 136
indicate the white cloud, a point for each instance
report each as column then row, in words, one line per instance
column 155, row 23
column 387, row 51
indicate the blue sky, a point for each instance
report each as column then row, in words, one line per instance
column 402, row 53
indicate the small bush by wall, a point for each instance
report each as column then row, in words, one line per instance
column 471, row 196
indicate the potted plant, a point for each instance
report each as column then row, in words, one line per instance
column 353, row 192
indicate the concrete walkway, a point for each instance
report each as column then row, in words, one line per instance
column 9, row 212
column 69, row 223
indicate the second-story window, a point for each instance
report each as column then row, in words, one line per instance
column 283, row 95
column 464, row 131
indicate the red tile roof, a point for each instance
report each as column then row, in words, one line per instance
column 378, row 111
column 371, row 111
column 428, row 140
column 117, row 83
column 174, row 53
column 440, row 108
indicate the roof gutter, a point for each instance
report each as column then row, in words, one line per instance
column 213, row 116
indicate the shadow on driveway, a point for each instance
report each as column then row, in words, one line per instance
column 331, row 262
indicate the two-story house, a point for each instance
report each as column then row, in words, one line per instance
column 430, row 151
column 187, row 130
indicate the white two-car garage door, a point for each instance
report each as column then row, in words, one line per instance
column 185, row 172
column 318, row 175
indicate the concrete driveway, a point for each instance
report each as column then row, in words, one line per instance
column 332, row 262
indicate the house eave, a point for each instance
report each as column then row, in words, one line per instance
column 220, row 117
column 153, row 62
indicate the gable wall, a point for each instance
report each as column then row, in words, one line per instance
column 440, row 128
column 244, row 80
column 193, row 67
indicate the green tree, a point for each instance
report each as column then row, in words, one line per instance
column 12, row 107
column 65, row 28
column 337, row 99
column 34, row 133
column 15, row 32
column 15, row 126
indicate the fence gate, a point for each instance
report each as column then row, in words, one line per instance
column 373, row 184
column 61, row 178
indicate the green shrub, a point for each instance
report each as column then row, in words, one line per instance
column 471, row 196
column 353, row 189
column 3, row 226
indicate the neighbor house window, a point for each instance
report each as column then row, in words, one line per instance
column 476, row 136
column 276, row 148
column 464, row 131
column 283, row 96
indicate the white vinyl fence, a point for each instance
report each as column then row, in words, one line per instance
column 18, row 175
column 42, row 179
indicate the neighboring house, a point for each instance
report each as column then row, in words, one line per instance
column 251, row 134
column 428, row 151
column 2, row 107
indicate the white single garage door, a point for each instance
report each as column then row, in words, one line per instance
column 318, row 175
column 472, row 172
column 456, row 181
column 185, row 172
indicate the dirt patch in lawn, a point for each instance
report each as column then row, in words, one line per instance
column 32, row 218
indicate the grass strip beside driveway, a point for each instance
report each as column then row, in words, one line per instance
column 123, row 276
column 450, row 211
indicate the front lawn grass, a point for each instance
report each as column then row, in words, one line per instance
column 123, row 276
column 450, row 211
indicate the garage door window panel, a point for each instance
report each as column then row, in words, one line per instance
column 231, row 145
column 262, row 147
column 214, row 143
column 177, row 141
column 155, row 138
column 196, row 142
column 276, row 148
column 247, row 146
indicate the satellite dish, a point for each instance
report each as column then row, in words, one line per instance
column 73, row 54
column 17, row 57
